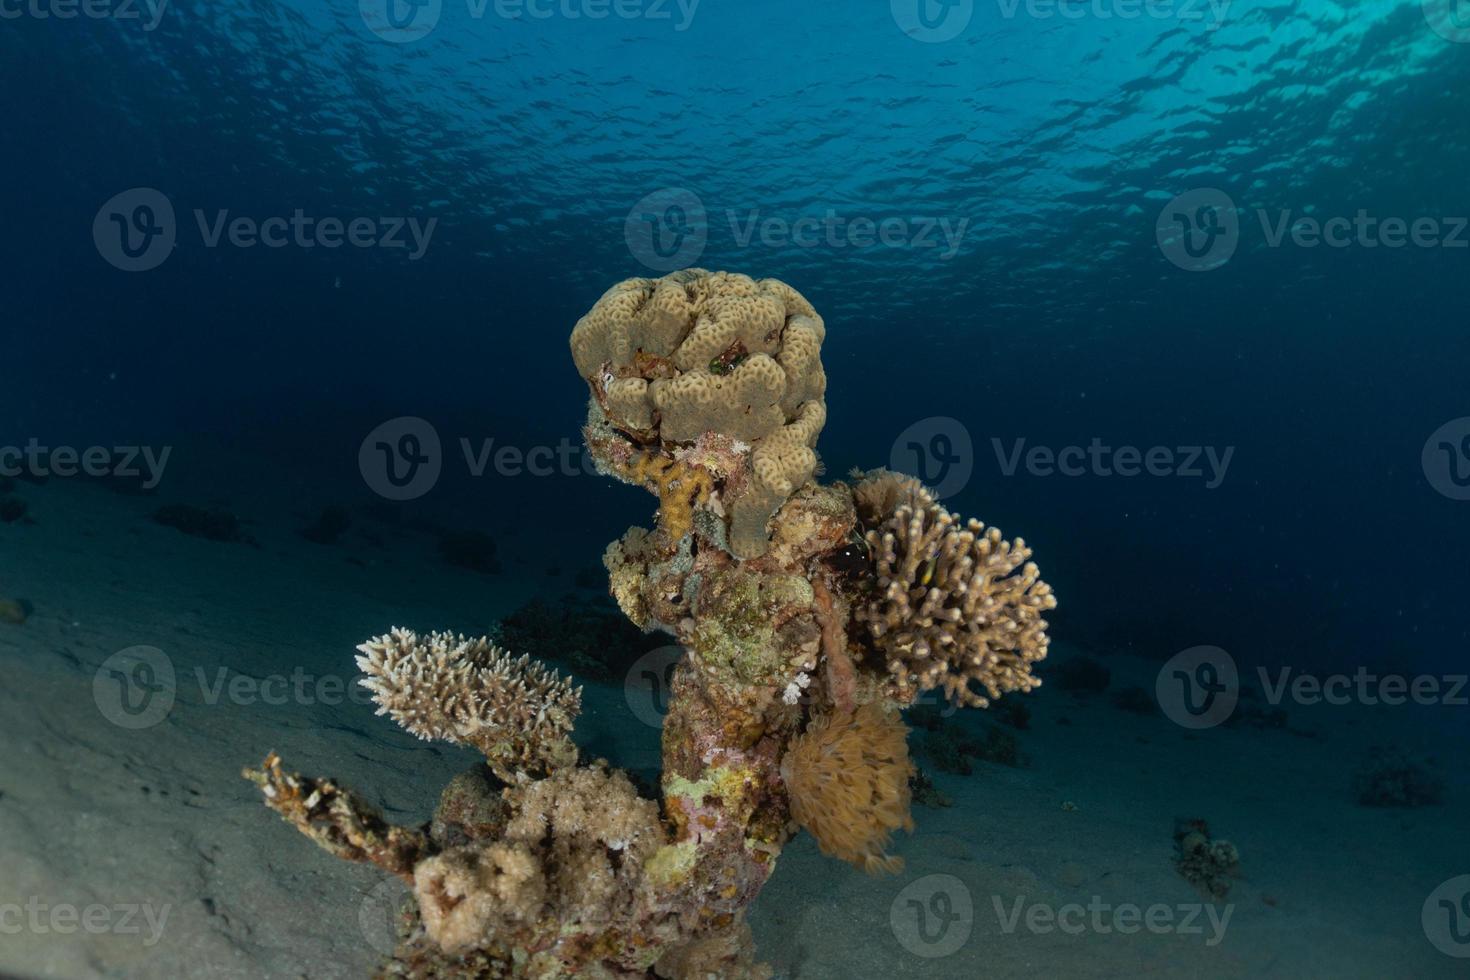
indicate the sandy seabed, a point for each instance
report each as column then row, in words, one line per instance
column 141, row 852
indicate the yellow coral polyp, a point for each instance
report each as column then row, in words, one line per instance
column 680, row 487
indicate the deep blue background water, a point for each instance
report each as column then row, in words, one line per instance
column 1059, row 319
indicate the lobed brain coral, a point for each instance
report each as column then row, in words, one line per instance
column 694, row 352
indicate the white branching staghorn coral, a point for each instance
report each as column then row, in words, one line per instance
column 517, row 711
column 955, row 605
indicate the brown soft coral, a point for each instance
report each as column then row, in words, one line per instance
column 848, row 778
column 956, row 605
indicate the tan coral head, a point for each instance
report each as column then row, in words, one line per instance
column 695, row 352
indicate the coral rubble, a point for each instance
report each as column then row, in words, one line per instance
column 1389, row 776
column 809, row 615
column 12, row 509
column 1209, row 865
column 15, row 611
column 212, row 524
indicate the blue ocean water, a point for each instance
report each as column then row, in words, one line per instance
column 1056, row 141
column 1234, row 232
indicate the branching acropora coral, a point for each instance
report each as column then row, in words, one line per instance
column 442, row 686
column 809, row 616
column 955, row 606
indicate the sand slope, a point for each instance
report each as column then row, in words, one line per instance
column 157, row 820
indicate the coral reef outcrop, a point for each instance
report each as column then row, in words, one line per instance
column 809, row 617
